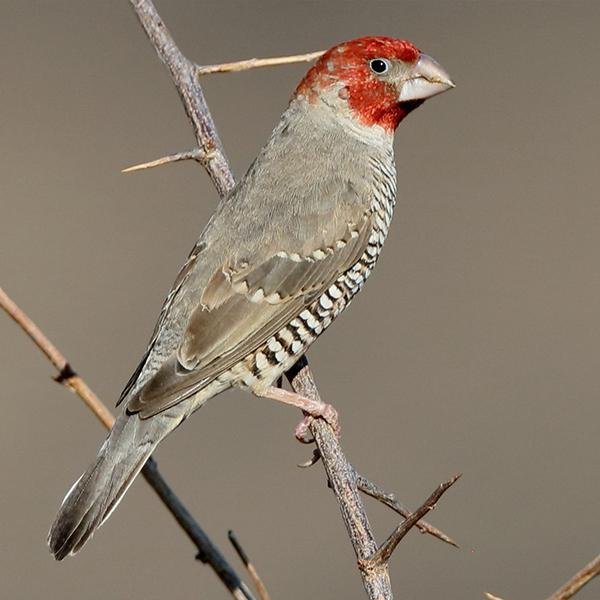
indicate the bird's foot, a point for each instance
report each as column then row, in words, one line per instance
column 312, row 409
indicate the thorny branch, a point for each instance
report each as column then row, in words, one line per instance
column 183, row 74
column 371, row 489
column 385, row 551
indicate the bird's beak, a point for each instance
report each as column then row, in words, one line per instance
column 426, row 79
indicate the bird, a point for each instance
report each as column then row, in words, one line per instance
column 282, row 256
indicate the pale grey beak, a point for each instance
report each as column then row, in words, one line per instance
column 427, row 79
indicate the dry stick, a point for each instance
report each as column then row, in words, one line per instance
column 263, row 594
column 207, row 551
column 385, row 551
column 341, row 474
column 569, row 589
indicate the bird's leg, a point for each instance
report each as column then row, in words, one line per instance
column 312, row 408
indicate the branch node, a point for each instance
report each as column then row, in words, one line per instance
column 65, row 374
column 382, row 555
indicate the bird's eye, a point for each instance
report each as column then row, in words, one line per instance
column 379, row 65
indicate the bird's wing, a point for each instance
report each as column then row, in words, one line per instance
column 244, row 304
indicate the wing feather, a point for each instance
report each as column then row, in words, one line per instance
column 241, row 309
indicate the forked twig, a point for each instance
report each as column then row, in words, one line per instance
column 383, row 554
column 371, row 489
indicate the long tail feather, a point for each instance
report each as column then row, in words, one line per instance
column 98, row 491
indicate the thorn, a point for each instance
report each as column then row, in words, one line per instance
column 314, row 459
column 195, row 154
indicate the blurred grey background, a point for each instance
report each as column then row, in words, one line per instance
column 473, row 349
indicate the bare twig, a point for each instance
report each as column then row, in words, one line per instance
column 371, row 489
column 583, row 576
column 261, row 589
column 207, row 551
column 385, row 551
column 254, row 63
column 195, row 154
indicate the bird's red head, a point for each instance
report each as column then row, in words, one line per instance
column 380, row 79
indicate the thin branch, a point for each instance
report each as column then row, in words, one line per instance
column 371, row 489
column 255, row 63
column 207, row 551
column 583, row 576
column 263, row 593
column 195, row 154
column 489, row 596
column 183, row 75
column 385, row 551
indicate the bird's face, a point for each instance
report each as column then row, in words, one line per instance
column 378, row 80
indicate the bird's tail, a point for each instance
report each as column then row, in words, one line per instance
column 97, row 492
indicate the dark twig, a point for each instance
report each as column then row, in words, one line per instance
column 383, row 554
column 583, row 576
column 261, row 589
column 67, row 377
column 371, row 489
column 208, row 553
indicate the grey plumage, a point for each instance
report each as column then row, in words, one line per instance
column 281, row 257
